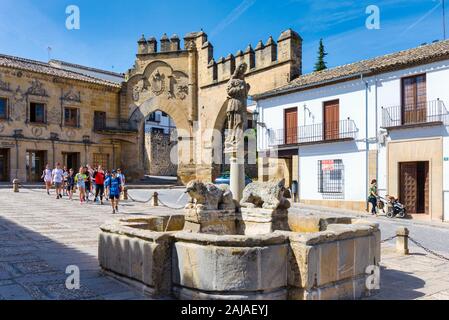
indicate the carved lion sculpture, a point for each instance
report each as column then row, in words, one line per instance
column 208, row 196
column 267, row 195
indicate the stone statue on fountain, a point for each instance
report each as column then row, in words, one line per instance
column 237, row 90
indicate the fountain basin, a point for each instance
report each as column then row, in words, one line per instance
column 328, row 262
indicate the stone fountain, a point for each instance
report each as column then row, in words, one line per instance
column 235, row 243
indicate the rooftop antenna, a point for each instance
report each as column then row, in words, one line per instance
column 49, row 53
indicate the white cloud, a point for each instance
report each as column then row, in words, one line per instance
column 233, row 16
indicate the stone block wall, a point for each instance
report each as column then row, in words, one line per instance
column 159, row 149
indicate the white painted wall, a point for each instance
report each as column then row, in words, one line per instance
column 446, row 178
column 166, row 123
column 384, row 90
column 353, row 162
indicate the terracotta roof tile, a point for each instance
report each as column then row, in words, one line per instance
column 421, row 55
column 45, row 68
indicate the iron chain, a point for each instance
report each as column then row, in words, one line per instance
column 389, row 239
column 139, row 201
column 428, row 250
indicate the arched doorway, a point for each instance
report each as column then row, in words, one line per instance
column 179, row 141
column 161, row 143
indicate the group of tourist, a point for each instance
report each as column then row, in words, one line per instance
column 89, row 181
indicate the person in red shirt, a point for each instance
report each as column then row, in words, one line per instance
column 99, row 177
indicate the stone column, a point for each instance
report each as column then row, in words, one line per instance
column 237, row 177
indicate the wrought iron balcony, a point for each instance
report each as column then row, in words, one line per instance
column 315, row 133
column 426, row 113
column 114, row 125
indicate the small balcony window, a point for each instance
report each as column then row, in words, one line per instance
column 37, row 113
column 71, row 117
column 3, row 108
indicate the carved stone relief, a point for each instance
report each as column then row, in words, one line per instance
column 174, row 86
column 54, row 115
column 4, row 86
column 158, row 83
column 37, row 89
column 72, row 96
column 18, row 111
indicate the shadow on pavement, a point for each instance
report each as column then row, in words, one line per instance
column 33, row 267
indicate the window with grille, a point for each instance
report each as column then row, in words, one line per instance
column 330, row 176
column 101, row 159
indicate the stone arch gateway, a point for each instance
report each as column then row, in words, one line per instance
column 190, row 86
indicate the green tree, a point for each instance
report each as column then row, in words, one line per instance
column 321, row 64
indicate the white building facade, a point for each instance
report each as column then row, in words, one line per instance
column 386, row 119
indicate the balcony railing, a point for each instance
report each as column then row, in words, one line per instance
column 114, row 125
column 315, row 133
column 415, row 114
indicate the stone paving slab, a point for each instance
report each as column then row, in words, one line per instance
column 40, row 236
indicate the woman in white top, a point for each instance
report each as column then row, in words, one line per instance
column 47, row 176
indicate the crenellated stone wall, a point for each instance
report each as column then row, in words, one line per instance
column 189, row 85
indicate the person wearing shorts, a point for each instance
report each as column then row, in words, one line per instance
column 47, row 177
column 58, row 179
column 115, row 187
column 80, row 180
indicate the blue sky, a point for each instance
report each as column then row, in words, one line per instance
column 110, row 29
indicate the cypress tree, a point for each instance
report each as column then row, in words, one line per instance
column 321, row 64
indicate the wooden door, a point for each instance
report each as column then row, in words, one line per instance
column 409, row 186
column 291, row 126
column 4, row 165
column 331, row 120
column 414, row 100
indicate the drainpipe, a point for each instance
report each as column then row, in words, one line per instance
column 377, row 127
column 366, row 140
column 17, row 158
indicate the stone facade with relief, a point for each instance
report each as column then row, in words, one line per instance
column 31, row 138
column 188, row 83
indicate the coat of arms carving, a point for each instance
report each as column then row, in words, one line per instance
column 158, row 83
column 4, row 86
column 140, row 87
column 37, row 89
column 179, row 88
column 72, row 96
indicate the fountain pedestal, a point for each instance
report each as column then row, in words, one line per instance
column 255, row 221
column 218, row 222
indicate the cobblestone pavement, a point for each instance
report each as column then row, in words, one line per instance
column 40, row 236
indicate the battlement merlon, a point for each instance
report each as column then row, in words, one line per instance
column 268, row 55
column 271, row 54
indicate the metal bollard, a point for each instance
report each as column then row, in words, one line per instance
column 155, row 200
column 402, row 241
column 15, row 185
